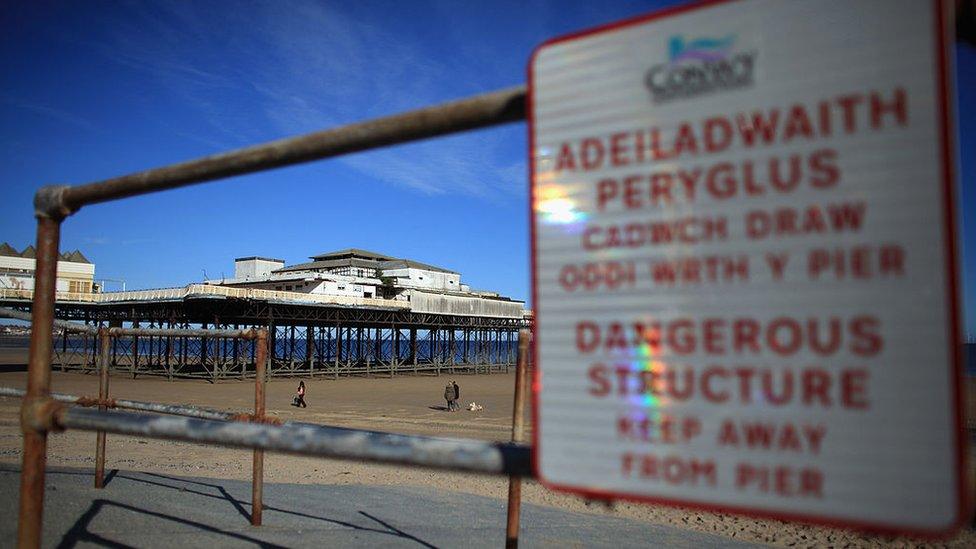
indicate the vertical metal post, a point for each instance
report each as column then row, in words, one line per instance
column 320, row 345
column 38, row 383
column 359, row 347
column 257, row 469
column 515, row 482
column 453, row 348
column 396, row 349
column 64, row 349
column 413, row 348
column 338, row 351
column 291, row 348
column 184, row 351
column 103, row 358
column 135, row 350
column 377, row 347
column 94, row 351
column 432, row 351
column 203, row 352
column 237, row 351
column 170, row 350
column 309, row 347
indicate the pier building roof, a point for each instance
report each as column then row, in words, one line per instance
column 6, row 250
column 355, row 257
column 351, row 253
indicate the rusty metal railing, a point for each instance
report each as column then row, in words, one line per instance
column 255, row 431
column 53, row 403
column 41, row 414
column 490, row 109
column 126, row 404
column 518, row 432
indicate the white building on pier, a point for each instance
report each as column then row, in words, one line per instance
column 76, row 274
column 365, row 274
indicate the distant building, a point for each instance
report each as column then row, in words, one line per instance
column 365, row 274
column 76, row 274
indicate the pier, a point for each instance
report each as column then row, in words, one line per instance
column 310, row 335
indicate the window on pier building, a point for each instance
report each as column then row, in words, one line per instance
column 75, row 286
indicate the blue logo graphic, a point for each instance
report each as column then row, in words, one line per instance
column 700, row 49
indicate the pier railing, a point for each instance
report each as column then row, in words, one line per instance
column 209, row 290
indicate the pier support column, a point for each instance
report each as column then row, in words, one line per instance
column 135, row 351
column 309, row 347
column 237, row 352
column 395, row 352
column 203, row 352
column 453, row 350
column 338, row 350
column 413, row 348
column 169, row 355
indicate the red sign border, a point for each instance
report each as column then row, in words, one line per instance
column 947, row 149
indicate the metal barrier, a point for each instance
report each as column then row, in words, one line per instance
column 103, row 402
column 256, row 431
column 52, row 204
column 172, row 409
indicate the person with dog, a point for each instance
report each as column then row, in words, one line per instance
column 449, row 396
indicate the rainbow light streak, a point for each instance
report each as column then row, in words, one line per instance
column 646, row 359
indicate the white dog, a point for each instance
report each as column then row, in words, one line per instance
column 474, row 407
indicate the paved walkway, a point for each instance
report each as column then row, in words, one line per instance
column 151, row 510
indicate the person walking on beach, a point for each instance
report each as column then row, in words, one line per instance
column 300, row 395
column 449, row 396
column 457, row 396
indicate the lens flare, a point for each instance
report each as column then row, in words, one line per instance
column 555, row 206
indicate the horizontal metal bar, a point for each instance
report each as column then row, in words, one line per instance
column 183, row 332
column 171, row 409
column 156, row 332
column 480, row 111
column 70, row 326
column 310, row 440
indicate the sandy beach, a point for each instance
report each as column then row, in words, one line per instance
column 410, row 404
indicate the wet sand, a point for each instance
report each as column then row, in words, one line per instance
column 407, row 404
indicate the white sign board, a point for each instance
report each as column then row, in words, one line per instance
column 743, row 263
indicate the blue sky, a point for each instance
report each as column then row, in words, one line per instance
column 95, row 90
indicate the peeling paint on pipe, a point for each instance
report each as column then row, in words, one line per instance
column 170, row 409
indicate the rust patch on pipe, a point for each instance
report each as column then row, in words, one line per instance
column 93, row 401
column 38, row 415
column 253, row 418
column 49, row 203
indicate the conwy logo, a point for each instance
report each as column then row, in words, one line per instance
column 699, row 66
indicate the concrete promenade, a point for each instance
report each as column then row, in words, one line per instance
column 150, row 510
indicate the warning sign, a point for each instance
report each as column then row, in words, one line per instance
column 743, row 263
